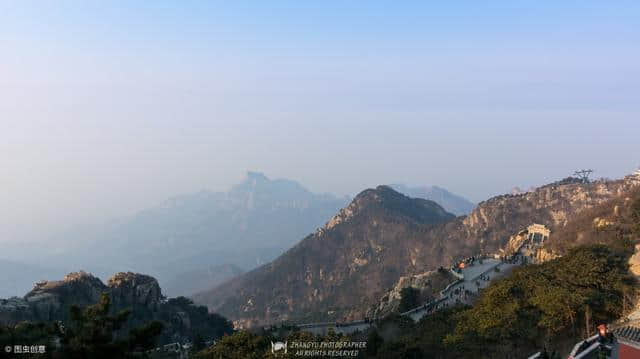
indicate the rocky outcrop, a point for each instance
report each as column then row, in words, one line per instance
column 133, row 289
column 545, row 255
column 552, row 205
column 634, row 262
column 139, row 293
column 51, row 300
column 515, row 242
column 428, row 283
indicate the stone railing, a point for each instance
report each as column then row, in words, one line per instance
column 446, row 289
column 584, row 347
column 434, row 303
column 456, row 274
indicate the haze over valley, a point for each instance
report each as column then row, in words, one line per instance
column 371, row 179
column 196, row 241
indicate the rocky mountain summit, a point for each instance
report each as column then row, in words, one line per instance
column 132, row 289
column 360, row 254
column 428, row 284
column 51, row 300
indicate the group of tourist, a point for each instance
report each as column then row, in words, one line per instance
column 460, row 293
column 469, row 261
column 514, row 259
column 434, row 306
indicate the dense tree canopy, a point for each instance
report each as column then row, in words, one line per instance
column 540, row 304
column 93, row 333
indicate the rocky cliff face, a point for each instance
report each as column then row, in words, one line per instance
column 135, row 290
column 429, row 284
column 495, row 220
column 51, row 301
column 579, row 214
column 634, row 262
column 515, row 242
column 613, row 218
column 360, row 253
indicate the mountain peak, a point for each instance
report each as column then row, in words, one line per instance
column 130, row 279
column 382, row 192
column 80, row 278
column 384, row 200
column 253, row 176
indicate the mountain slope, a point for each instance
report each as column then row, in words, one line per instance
column 346, row 265
column 453, row 203
column 359, row 253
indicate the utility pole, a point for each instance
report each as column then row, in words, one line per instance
column 583, row 175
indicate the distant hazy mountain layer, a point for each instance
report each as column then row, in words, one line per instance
column 180, row 241
column 194, row 242
column 451, row 202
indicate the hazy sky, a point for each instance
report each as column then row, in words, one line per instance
column 107, row 107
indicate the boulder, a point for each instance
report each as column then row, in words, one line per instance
column 135, row 290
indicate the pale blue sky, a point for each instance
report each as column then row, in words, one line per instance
column 107, row 107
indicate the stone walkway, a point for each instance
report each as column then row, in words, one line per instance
column 475, row 276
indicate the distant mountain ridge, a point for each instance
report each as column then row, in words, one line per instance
column 382, row 235
column 251, row 224
column 453, row 203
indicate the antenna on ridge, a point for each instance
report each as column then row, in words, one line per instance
column 583, row 175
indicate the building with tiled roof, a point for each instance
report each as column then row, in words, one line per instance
column 618, row 343
column 628, row 339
